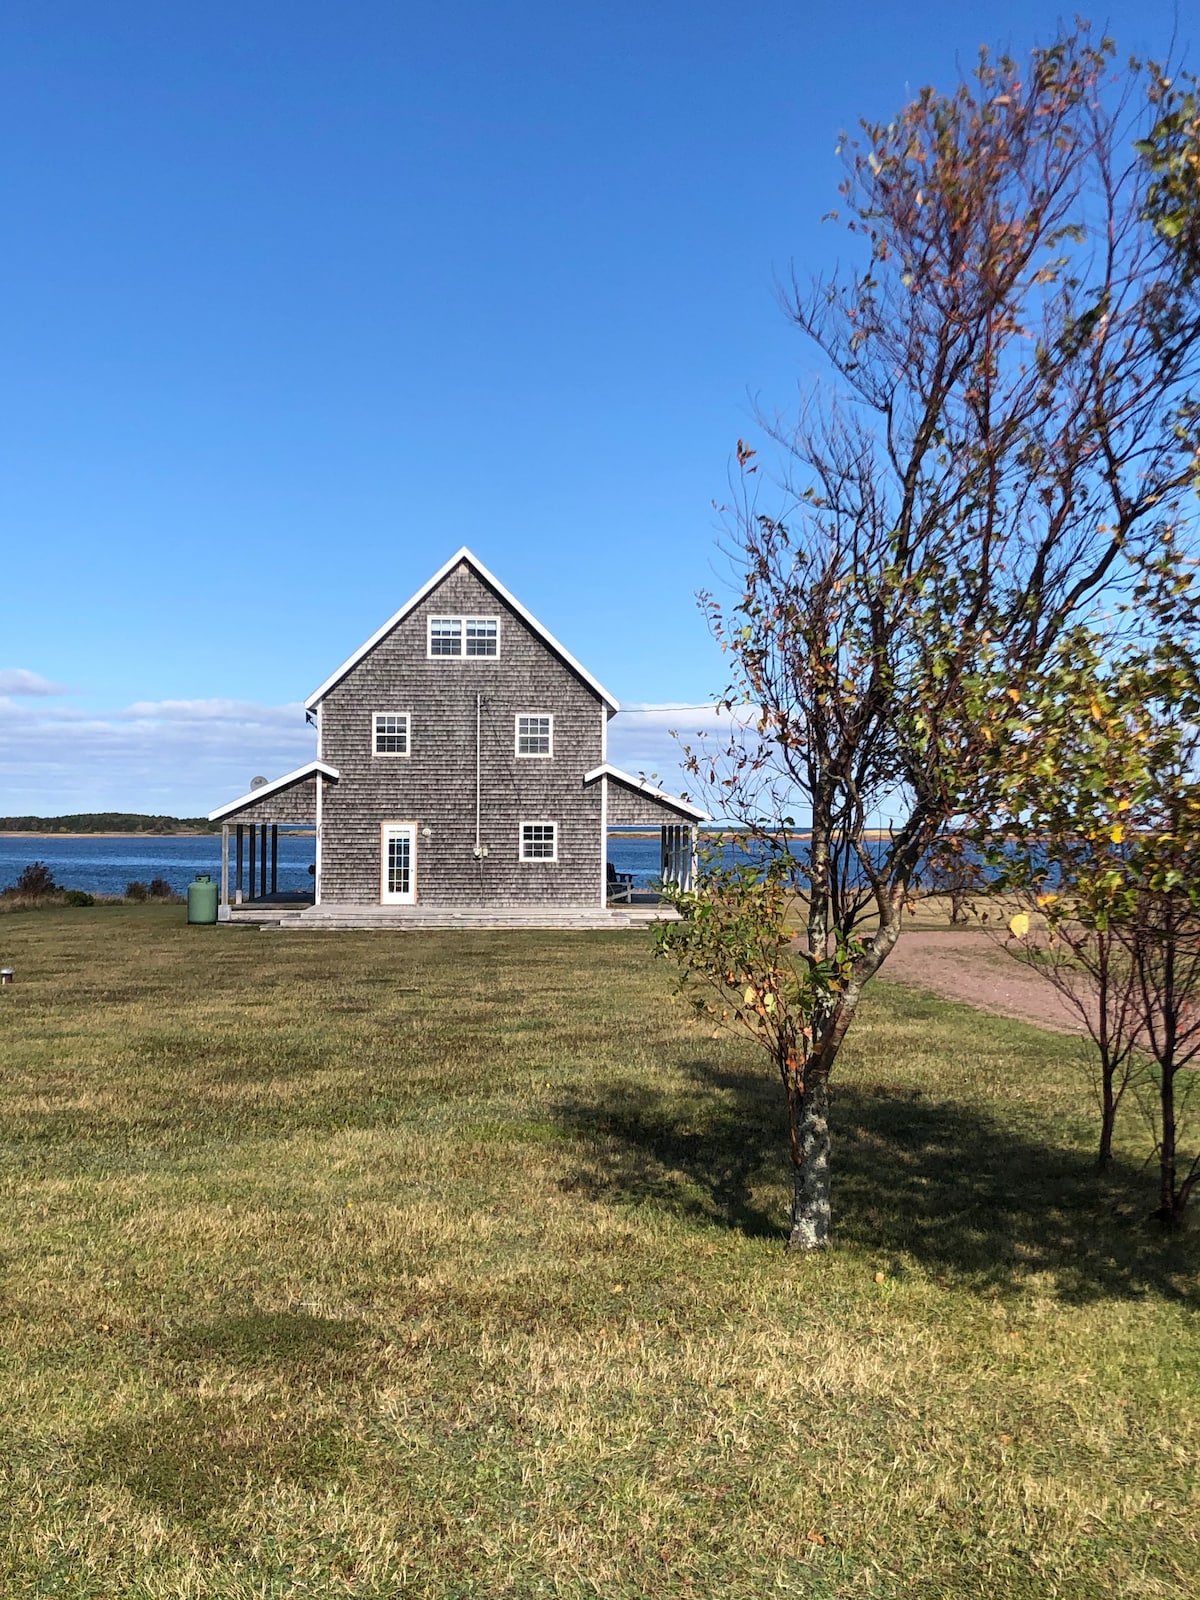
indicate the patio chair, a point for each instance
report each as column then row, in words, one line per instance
column 620, row 885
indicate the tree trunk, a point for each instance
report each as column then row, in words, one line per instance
column 811, row 1213
column 1169, row 1210
column 1108, row 1115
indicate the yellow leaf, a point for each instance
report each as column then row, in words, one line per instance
column 749, row 997
column 1117, row 832
column 1096, row 709
column 1018, row 926
column 1014, row 695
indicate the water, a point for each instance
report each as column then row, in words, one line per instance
column 105, row 864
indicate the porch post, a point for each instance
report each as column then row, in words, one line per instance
column 253, row 858
column 241, row 843
column 225, row 866
column 274, row 858
column 317, row 841
column 262, row 866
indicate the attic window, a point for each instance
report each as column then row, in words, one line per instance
column 464, row 636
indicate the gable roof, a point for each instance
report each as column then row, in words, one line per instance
column 493, row 582
column 276, row 784
column 640, row 786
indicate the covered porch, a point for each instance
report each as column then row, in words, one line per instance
column 664, row 825
column 251, row 827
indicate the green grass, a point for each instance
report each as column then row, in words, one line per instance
column 452, row 1265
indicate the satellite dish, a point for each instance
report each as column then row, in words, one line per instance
column 257, row 783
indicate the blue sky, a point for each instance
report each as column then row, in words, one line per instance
column 297, row 298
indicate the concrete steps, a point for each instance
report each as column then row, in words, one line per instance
column 418, row 919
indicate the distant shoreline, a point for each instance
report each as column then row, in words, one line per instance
column 183, row 833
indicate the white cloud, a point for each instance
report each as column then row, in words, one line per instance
column 186, row 757
column 180, row 757
column 651, row 738
column 18, row 680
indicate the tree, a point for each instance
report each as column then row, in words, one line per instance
column 35, row 882
column 1099, row 832
column 1011, row 405
column 1056, row 841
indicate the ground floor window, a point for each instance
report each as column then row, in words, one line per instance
column 539, row 841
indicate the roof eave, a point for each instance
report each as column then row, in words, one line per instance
column 427, row 588
column 264, row 790
column 607, row 770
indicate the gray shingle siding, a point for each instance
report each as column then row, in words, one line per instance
column 297, row 803
column 629, row 809
column 434, row 785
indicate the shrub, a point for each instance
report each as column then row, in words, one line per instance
column 159, row 889
column 135, row 891
column 78, row 897
column 36, row 880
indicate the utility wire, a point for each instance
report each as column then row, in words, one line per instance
column 646, row 711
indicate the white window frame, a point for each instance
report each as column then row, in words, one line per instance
column 534, row 716
column 461, row 623
column 538, row 860
column 393, row 716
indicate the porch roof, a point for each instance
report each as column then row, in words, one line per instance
column 276, row 786
column 639, row 786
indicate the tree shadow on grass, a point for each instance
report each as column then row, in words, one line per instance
column 944, row 1184
column 196, row 1454
column 199, row 1455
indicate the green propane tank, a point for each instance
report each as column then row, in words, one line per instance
column 202, row 899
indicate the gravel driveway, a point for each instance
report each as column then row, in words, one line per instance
column 971, row 965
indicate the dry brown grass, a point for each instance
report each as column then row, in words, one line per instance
column 451, row 1265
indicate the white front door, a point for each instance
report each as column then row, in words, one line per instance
column 398, row 879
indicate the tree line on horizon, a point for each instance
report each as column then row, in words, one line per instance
column 108, row 822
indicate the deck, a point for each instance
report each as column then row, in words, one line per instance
column 418, row 919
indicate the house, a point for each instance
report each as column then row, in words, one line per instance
column 461, row 762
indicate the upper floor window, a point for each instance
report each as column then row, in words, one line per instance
column 390, row 733
column 464, row 636
column 535, row 736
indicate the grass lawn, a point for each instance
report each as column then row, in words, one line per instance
column 452, row 1265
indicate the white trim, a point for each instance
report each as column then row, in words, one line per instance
column 428, row 587
column 532, row 716
column 536, row 822
column 391, row 755
column 604, row 842
column 684, row 807
column 265, row 789
column 393, row 830
column 317, row 854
